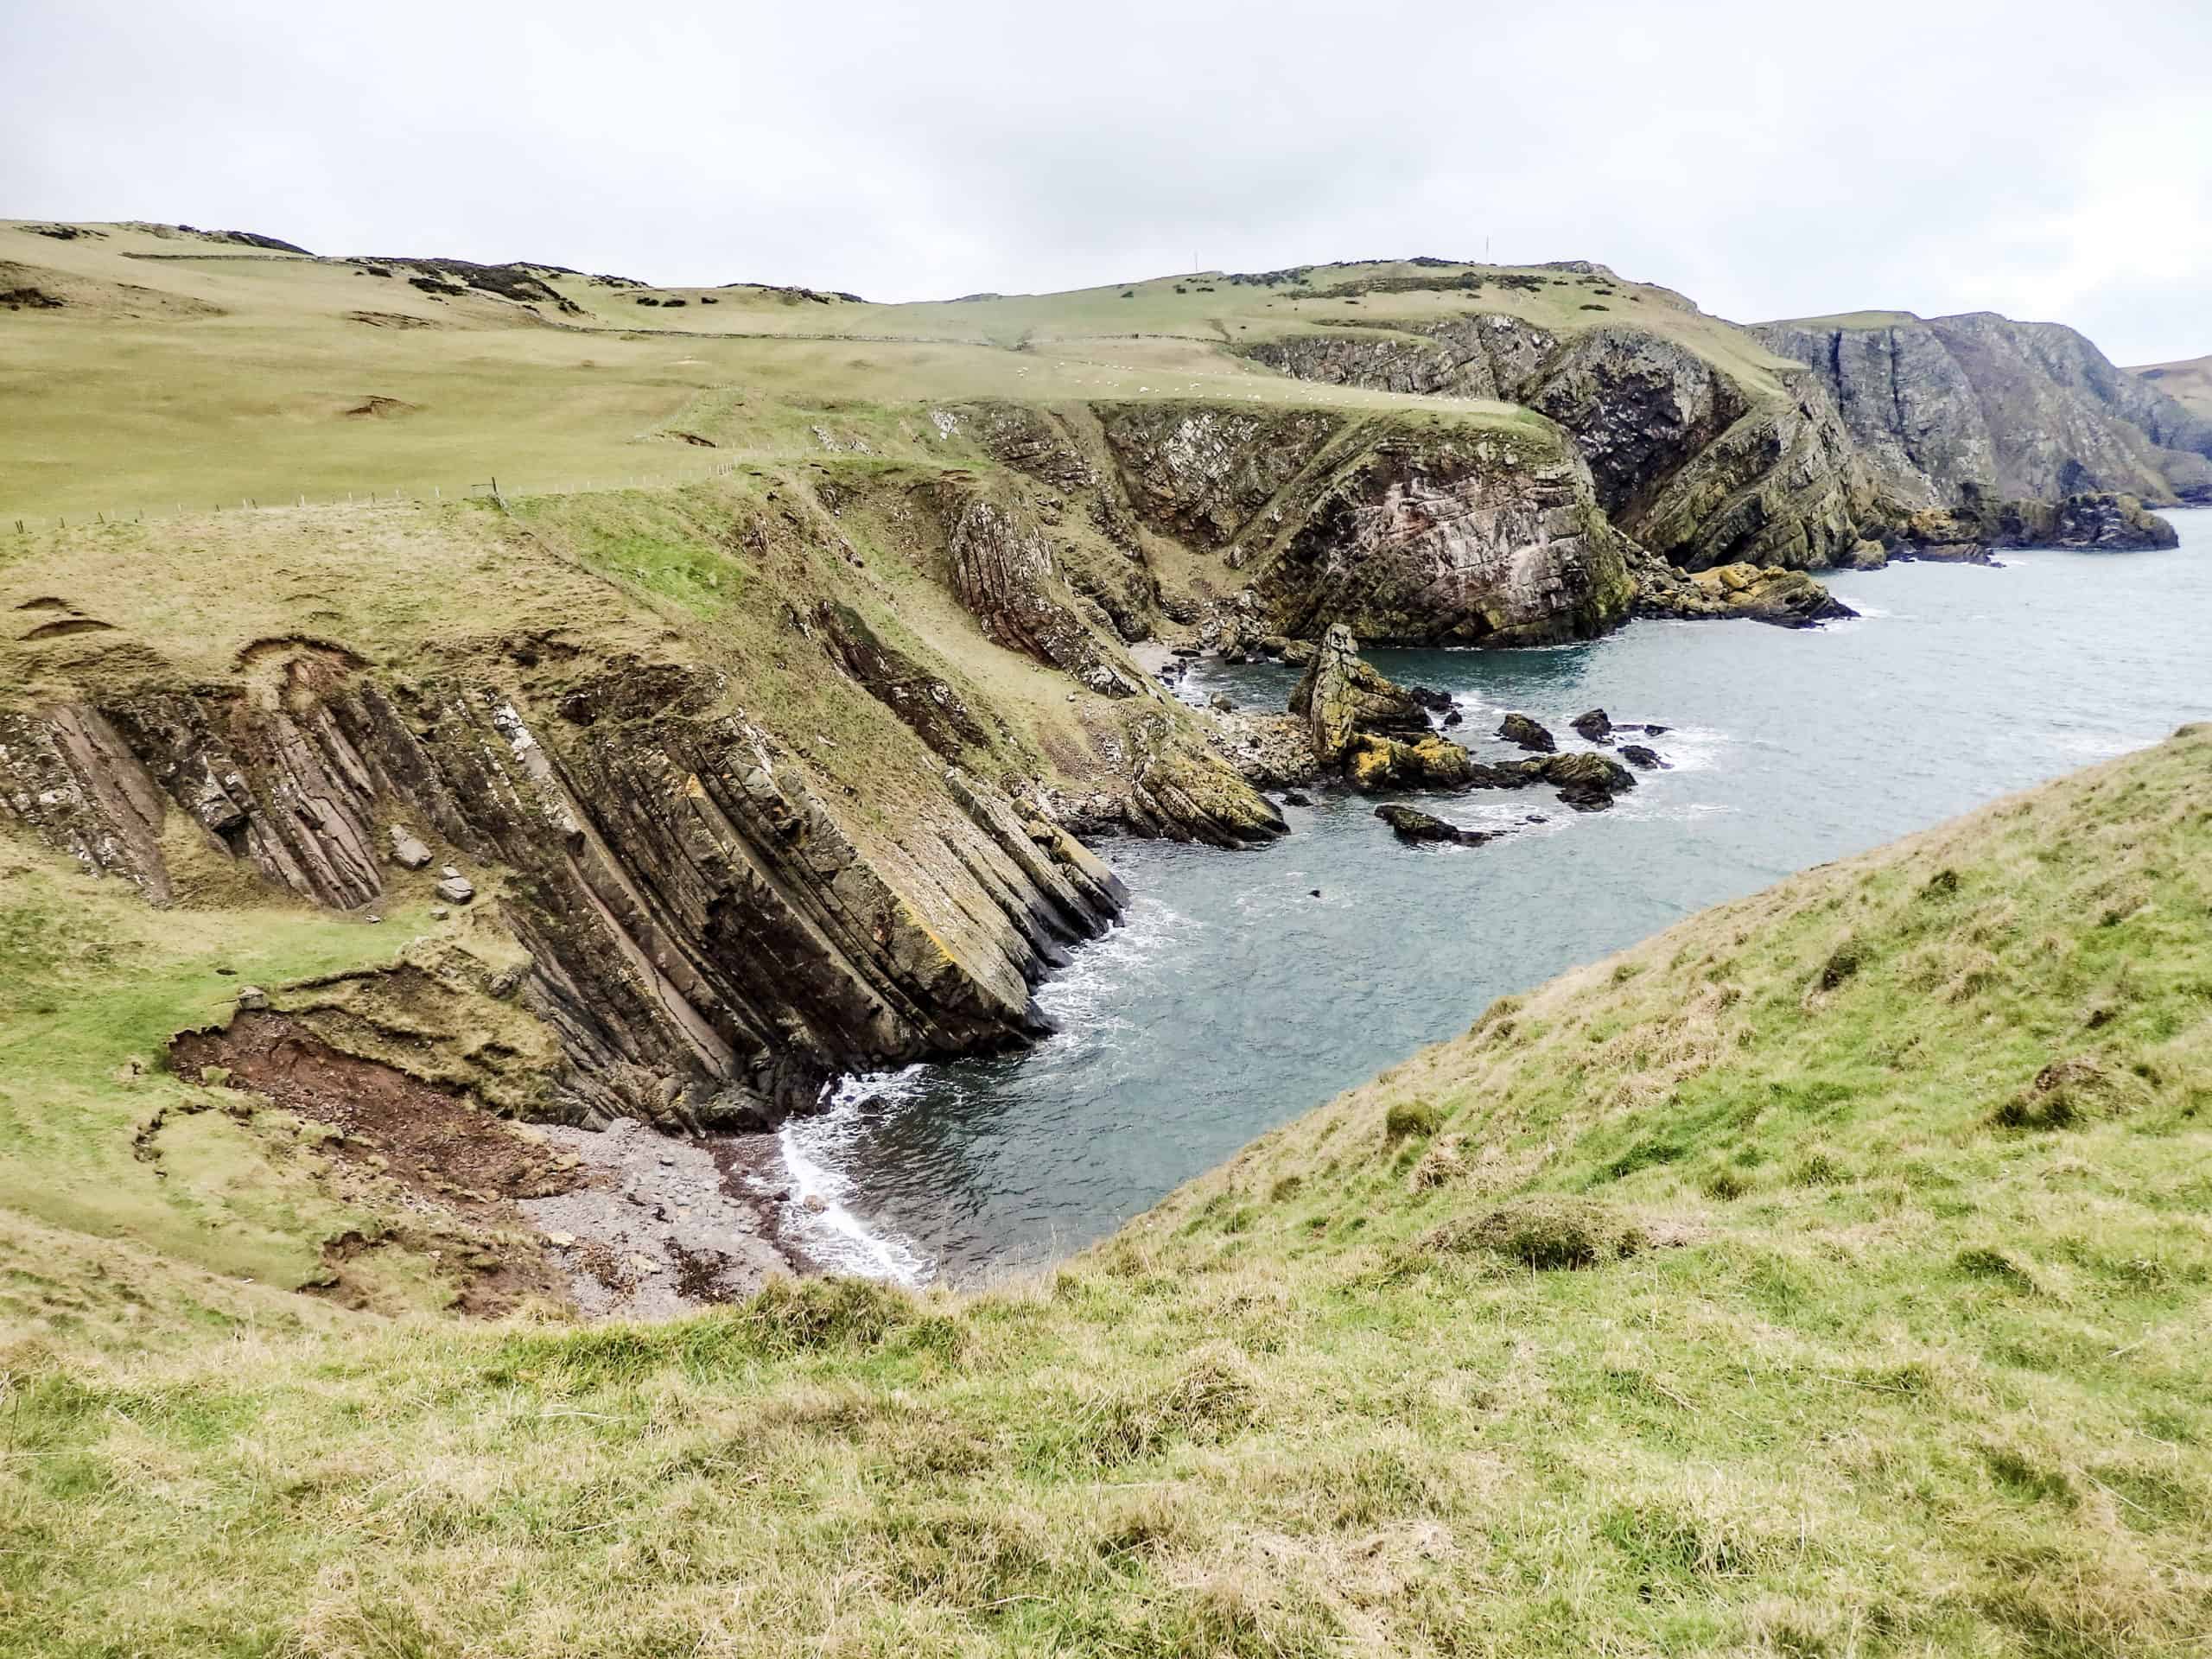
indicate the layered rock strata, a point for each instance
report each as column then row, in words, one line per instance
column 707, row 935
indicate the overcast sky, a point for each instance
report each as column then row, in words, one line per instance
column 1787, row 158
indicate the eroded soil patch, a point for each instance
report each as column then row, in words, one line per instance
column 456, row 1166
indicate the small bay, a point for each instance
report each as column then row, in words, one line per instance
column 1234, row 998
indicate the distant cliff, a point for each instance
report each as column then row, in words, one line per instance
column 1948, row 405
column 1686, row 459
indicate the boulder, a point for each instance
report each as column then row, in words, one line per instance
column 1587, row 782
column 1375, row 762
column 1595, row 727
column 1409, row 824
column 251, row 999
column 407, row 851
column 456, row 889
column 1528, row 733
column 1637, row 755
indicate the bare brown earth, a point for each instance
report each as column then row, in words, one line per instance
column 454, row 1165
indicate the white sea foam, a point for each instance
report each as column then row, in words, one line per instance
column 832, row 1234
column 815, row 1150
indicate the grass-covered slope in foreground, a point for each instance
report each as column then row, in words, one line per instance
column 1826, row 1275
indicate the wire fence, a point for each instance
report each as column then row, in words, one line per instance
column 489, row 488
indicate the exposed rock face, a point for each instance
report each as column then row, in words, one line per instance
column 1003, row 571
column 2012, row 409
column 1204, row 473
column 926, row 703
column 708, row 939
column 1339, row 696
column 1272, row 751
column 1403, row 530
column 1454, row 539
column 1783, row 486
column 1177, row 789
column 1681, row 458
column 2109, row 522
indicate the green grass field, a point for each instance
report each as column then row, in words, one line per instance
column 1827, row 1276
column 181, row 376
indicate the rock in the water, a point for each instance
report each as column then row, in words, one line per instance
column 252, row 999
column 457, row 889
column 1340, row 696
column 1453, row 719
column 1409, row 824
column 1637, row 755
column 407, row 851
column 1375, row 762
column 1596, row 725
column 1526, row 732
column 1587, row 782
column 2100, row 520
column 1788, row 598
column 1430, row 698
column 1297, row 798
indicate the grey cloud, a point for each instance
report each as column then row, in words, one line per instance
column 1770, row 160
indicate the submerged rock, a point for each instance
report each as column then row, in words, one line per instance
column 1637, row 755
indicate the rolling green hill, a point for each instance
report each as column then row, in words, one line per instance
column 182, row 368
column 1827, row 1275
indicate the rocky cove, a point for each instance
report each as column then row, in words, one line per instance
column 1239, row 991
column 713, row 799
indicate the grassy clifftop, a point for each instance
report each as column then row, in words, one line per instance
column 144, row 369
column 1827, row 1276
column 2188, row 383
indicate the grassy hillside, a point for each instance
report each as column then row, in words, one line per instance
column 1827, row 1276
column 2188, row 383
column 148, row 370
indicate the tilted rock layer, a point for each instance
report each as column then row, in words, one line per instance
column 705, row 935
